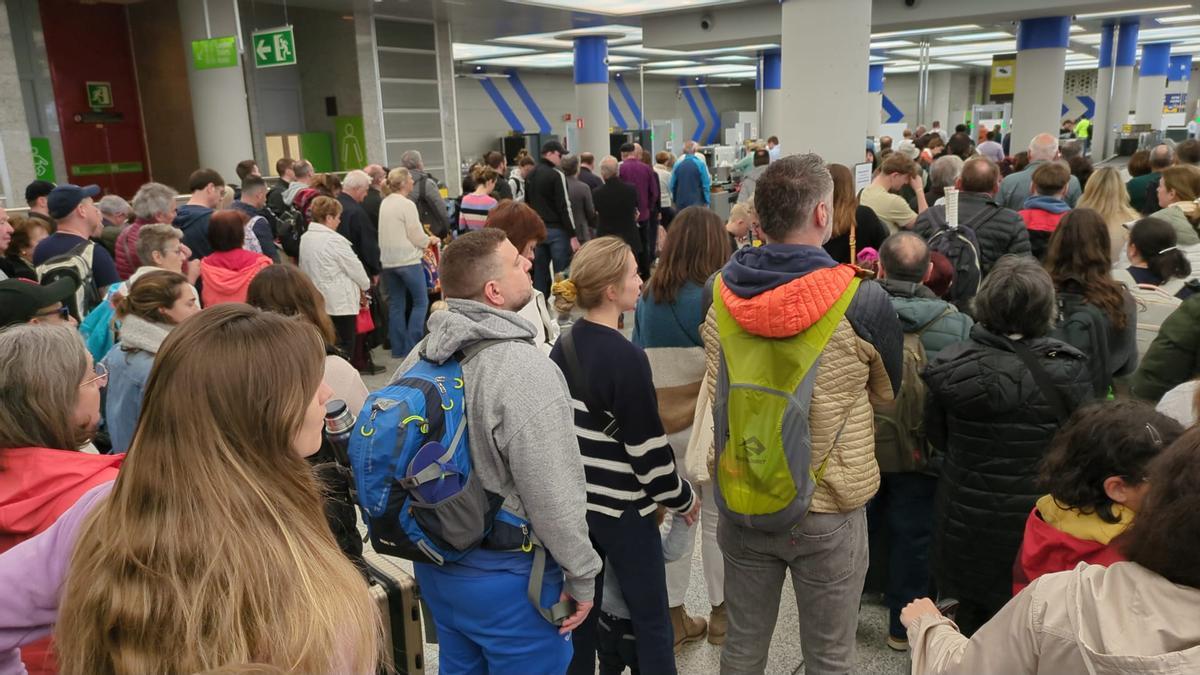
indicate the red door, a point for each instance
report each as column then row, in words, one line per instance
column 96, row 94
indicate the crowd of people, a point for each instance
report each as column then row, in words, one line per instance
column 971, row 388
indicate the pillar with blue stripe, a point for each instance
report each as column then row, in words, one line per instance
column 591, row 94
column 1124, row 58
column 1041, row 63
column 771, row 84
column 874, row 99
column 1152, row 83
column 1179, row 73
column 1104, row 85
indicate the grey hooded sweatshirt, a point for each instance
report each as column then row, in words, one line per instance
column 521, row 427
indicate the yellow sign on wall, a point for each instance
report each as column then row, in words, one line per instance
column 1004, row 75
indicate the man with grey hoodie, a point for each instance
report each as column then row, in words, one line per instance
column 523, row 449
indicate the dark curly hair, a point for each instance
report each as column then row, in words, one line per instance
column 1101, row 440
column 1165, row 537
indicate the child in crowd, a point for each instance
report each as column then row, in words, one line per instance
column 1095, row 471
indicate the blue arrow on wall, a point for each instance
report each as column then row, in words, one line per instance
column 691, row 101
column 1089, row 105
column 1065, row 110
column 894, row 113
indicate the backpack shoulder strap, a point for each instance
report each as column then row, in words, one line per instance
column 1042, row 378
column 945, row 313
column 579, row 384
column 472, row 350
column 989, row 211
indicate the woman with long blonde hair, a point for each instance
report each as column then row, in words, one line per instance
column 1105, row 194
column 210, row 549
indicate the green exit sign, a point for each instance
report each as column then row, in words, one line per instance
column 219, row 52
column 99, row 95
column 274, row 47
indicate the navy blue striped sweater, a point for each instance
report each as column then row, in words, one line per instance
column 637, row 468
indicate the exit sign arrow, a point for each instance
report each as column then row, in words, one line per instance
column 263, row 50
column 274, row 47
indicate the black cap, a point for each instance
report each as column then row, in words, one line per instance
column 21, row 299
column 64, row 198
column 553, row 146
column 38, row 188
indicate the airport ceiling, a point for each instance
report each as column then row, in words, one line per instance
column 496, row 34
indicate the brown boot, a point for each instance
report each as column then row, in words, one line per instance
column 687, row 628
column 718, row 623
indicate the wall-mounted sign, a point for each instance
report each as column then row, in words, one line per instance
column 274, row 47
column 103, row 169
column 43, row 165
column 1004, row 75
column 218, row 52
column 99, row 95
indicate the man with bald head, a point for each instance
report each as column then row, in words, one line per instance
column 690, row 181
column 1016, row 186
column 902, row 510
column 999, row 230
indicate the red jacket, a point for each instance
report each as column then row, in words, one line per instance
column 1041, row 221
column 225, row 276
column 36, row 486
column 1047, row 549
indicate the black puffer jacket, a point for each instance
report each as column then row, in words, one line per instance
column 546, row 192
column 1000, row 231
column 988, row 417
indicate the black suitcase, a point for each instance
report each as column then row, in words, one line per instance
column 395, row 590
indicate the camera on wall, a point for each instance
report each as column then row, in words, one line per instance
column 706, row 22
column 606, row 60
column 911, row 4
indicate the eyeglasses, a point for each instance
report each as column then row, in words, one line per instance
column 101, row 376
column 63, row 313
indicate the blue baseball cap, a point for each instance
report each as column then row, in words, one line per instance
column 63, row 199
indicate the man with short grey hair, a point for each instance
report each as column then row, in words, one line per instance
column 303, row 173
column 1015, row 187
column 1143, row 190
column 580, row 194
column 690, row 181
column 114, row 213
column 356, row 226
column 833, row 343
column 430, row 206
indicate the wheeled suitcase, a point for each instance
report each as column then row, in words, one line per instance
column 395, row 590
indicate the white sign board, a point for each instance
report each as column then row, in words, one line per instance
column 862, row 176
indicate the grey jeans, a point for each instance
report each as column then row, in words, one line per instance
column 827, row 555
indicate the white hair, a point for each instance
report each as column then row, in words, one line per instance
column 1043, row 148
column 608, row 167
column 356, row 180
column 111, row 205
column 411, row 159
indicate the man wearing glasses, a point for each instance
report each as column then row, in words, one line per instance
column 22, row 301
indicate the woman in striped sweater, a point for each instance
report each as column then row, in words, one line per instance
column 473, row 212
column 628, row 463
column 667, row 326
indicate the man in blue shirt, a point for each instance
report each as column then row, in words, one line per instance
column 78, row 221
column 690, row 182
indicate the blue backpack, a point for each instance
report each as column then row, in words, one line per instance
column 411, row 459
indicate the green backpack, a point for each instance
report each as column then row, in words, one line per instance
column 764, row 474
column 900, row 444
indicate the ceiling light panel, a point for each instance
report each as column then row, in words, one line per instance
column 926, row 31
column 672, row 64
column 734, row 50
column 639, row 50
column 1132, row 12
column 713, row 69
column 1175, row 32
column 892, row 44
column 465, row 50
column 630, row 35
column 917, row 68
column 976, row 37
column 619, row 7
column 950, row 50
column 1179, row 18
column 733, row 58
column 552, row 60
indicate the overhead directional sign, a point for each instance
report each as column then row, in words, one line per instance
column 99, row 95
column 274, row 47
column 218, row 52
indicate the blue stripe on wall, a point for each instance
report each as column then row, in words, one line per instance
column 527, row 99
column 631, row 102
column 502, row 105
column 691, row 101
column 716, row 119
column 616, row 113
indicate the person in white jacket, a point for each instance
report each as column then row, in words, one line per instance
column 329, row 261
column 402, row 244
column 1130, row 617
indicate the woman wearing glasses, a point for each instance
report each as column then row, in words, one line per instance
column 49, row 409
column 155, row 304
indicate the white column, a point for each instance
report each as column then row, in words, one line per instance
column 812, row 31
column 219, row 106
column 1152, row 83
column 874, row 99
column 1104, row 85
column 16, row 156
column 772, row 96
column 1041, row 60
column 591, row 93
column 939, row 99
column 449, row 104
column 368, row 85
column 1122, row 94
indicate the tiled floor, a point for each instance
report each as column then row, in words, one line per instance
column 872, row 657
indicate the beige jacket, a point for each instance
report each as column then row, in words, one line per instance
column 850, row 368
column 1123, row 619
